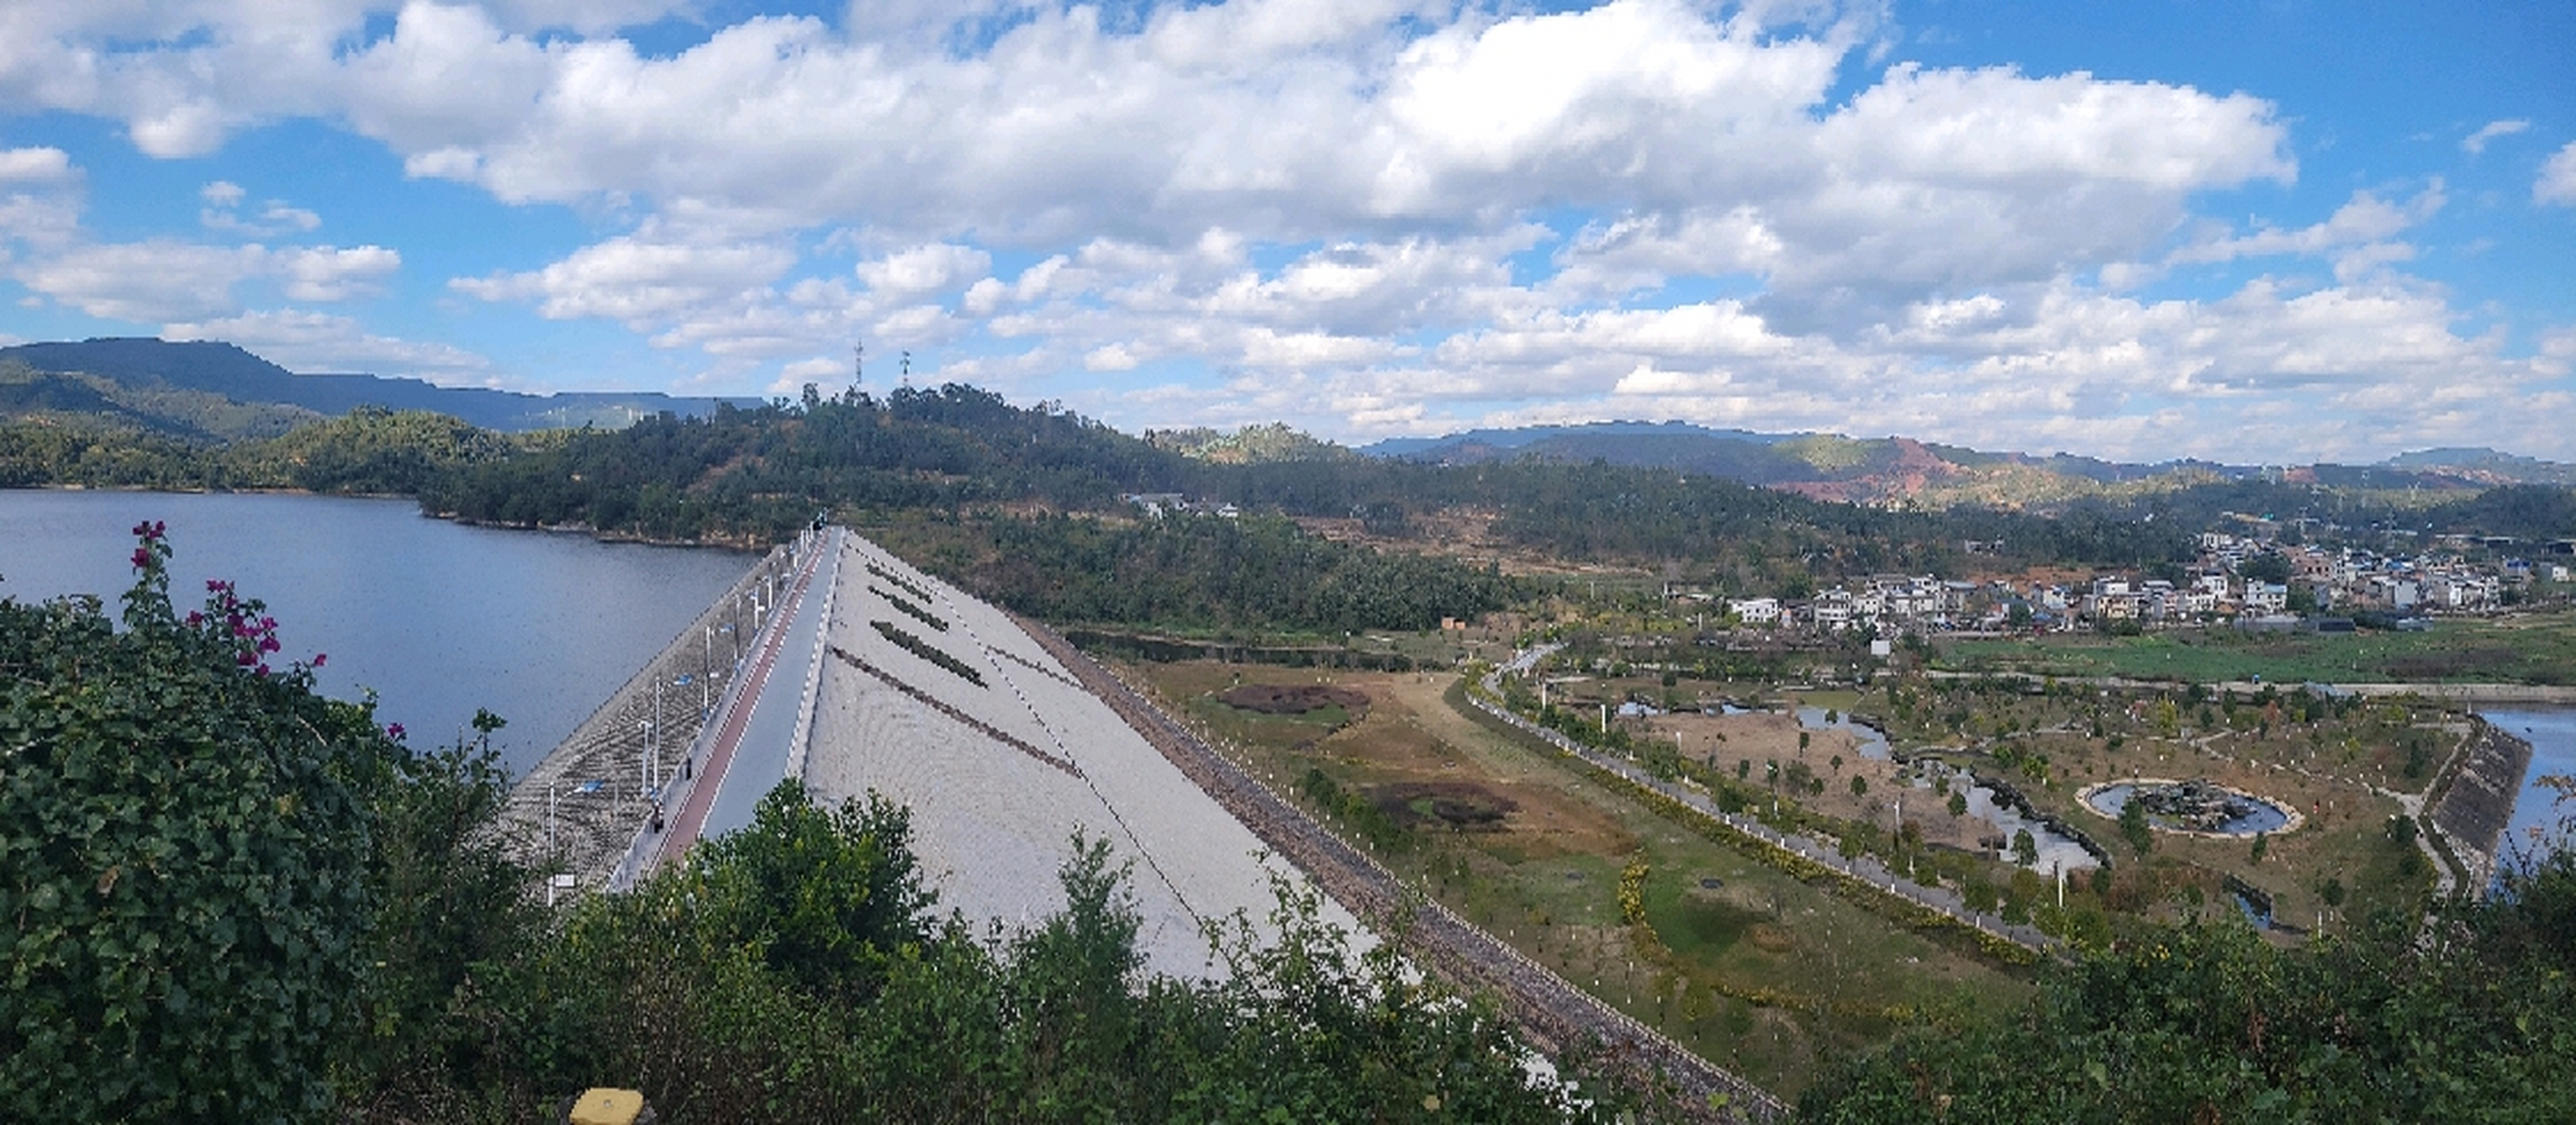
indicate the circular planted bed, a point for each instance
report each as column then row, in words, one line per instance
column 2196, row 807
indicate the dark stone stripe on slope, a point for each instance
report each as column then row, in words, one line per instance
column 988, row 730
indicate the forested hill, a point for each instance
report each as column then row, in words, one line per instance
column 958, row 453
column 762, row 472
column 1902, row 471
column 754, row 474
column 203, row 388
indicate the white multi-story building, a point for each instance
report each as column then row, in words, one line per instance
column 1755, row 611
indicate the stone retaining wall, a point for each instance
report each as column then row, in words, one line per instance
column 2475, row 802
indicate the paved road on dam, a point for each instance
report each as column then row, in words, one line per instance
column 751, row 740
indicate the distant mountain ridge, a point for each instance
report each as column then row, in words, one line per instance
column 184, row 388
column 1896, row 471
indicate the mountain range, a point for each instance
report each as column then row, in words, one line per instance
column 215, row 390
column 1897, row 471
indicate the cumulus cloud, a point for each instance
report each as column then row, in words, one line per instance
column 35, row 166
column 143, row 281
column 2557, row 182
column 222, row 212
column 932, row 268
column 2359, row 236
column 40, row 198
column 643, row 281
column 306, row 341
column 161, row 280
column 1362, row 215
column 331, row 273
column 2476, row 143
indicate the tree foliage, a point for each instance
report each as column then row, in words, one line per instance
column 725, row 992
column 185, row 836
column 2472, row 1020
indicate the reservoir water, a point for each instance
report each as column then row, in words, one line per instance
column 438, row 618
column 2536, row 813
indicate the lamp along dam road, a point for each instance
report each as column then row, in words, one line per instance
column 590, row 801
column 860, row 673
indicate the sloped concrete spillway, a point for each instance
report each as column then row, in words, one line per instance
column 892, row 681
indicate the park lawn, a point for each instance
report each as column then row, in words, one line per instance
column 2533, row 648
column 1763, row 974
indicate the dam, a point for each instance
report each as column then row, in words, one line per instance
column 857, row 672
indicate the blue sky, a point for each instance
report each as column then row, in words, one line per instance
column 2257, row 232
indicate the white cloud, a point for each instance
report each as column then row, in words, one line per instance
column 144, row 281
column 1361, row 214
column 165, row 280
column 2360, row 236
column 2557, row 182
column 36, row 166
column 319, row 342
column 330, row 273
column 641, row 281
column 1298, row 121
column 2476, row 143
column 931, row 268
column 222, row 212
column 1110, row 357
column 40, row 198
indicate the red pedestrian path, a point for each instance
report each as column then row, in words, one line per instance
column 739, row 703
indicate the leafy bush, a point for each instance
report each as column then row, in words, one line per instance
column 186, row 847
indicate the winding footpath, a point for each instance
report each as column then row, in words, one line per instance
column 1864, row 870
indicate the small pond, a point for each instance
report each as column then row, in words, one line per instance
column 1873, row 745
column 2210, row 810
column 2258, row 915
column 2056, row 849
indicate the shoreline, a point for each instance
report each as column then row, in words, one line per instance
column 745, row 545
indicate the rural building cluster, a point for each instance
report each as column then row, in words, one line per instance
column 2252, row 581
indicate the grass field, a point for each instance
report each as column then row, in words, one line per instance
column 1755, row 969
column 2532, row 649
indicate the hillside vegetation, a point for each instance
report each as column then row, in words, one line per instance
column 992, row 484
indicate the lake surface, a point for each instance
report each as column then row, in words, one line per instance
column 2552, row 734
column 438, row 618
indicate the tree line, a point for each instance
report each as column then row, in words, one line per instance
column 753, row 476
